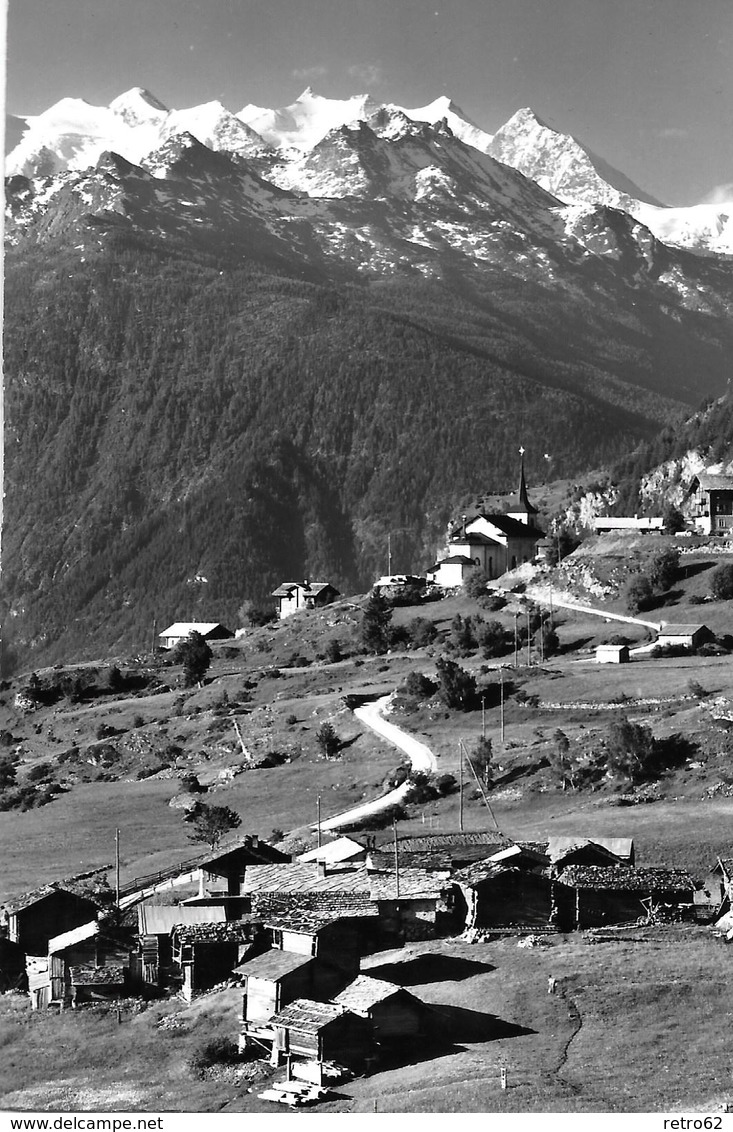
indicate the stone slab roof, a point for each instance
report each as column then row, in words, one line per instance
column 627, row 880
column 305, row 1014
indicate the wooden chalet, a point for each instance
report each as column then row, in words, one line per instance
column 590, row 896
column 395, row 1015
column 322, row 1032
column 206, row 954
column 709, row 503
column 334, row 938
column 222, row 872
column 439, row 851
column 490, row 894
column 36, row 917
column 412, row 904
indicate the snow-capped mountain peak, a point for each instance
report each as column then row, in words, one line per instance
column 138, row 106
column 306, row 121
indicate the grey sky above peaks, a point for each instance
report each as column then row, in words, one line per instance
column 646, row 84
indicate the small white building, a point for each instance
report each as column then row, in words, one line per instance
column 612, row 654
column 293, row 596
column 684, row 636
column 651, row 524
column 180, row 630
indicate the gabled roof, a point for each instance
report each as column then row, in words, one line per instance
column 313, row 589
column 37, row 895
column 305, row 908
column 76, row 935
column 185, row 628
column 342, row 849
column 612, row 847
column 453, row 560
column 427, row 842
column 509, row 526
column 306, row 921
column 365, row 992
column 273, row 964
column 237, row 931
column 414, row 884
column 629, row 880
column 304, row 877
column 710, row 482
column 160, row 919
column 683, row 630
column 305, row 1014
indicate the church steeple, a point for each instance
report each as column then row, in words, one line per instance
column 523, row 510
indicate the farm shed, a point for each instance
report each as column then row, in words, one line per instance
column 395, row 1014
column 88, row 947
column 492, row 895
column 206, row 954
column 181, row 630
column 36, row 917
column 322, row 1031
column 443, row 850
column 612, row 654
column 413, row 905
column 293, row 596
column 684, row 636
column 155, row 924
column 590, row 896
column 272, row 981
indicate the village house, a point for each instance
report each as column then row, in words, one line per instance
column 181, row 630
column 56, row 979
column 34, row 918
column 439, row 851
column 221, row 872
column 684, row 636
column 709, row 503
column 648, row 524
column 490, row 542
column 395, row 1015
column 590, row 896
column 334, row 938
column 565, row 851
column 294, row 596
column 491, row 894
column 95, row 984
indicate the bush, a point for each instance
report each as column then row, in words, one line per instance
column 421, row 632
column 40, row 771
column 221, row 1050
column 492, row 638
column 334, row 652
column 721, row 582
column 696, row 599
column 663, row 569
column 419, row 685
column 639, row 593
column 492, row 602
column 456, row 686
column 476, row 582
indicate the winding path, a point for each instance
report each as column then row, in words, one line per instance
column 421, row 758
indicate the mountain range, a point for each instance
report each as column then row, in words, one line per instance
column 242, row 348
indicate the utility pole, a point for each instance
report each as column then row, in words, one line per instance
column 319, row 821
column 152, row 645
column 516, row 639
column 529, row 642
column 483, row 717
column 396, row 860
column 460, row 786
column 501, row 693
column 389, row 555
column 117, row 868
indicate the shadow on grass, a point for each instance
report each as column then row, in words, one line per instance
column 448, row 1030
column 430, row 969
column 346, row 743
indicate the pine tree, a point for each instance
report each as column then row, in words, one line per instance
column 375, row 624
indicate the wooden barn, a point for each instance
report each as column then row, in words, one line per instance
column 322, row 1032
column 36, row 917
column 206, row 954
column 603, row 851
column 155, row 924
column 412, row 905
column 181, row 631
column 590, row 896
column 276, row 978
column 88, row 947
column 686, row 636
column 12, row 966
column 222, row 873
column 334, row 939
column 395, row 1014
column 489, row 894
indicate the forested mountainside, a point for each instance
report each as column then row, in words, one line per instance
column 211, row 378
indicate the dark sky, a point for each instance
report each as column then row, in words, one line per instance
column 647, row 84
